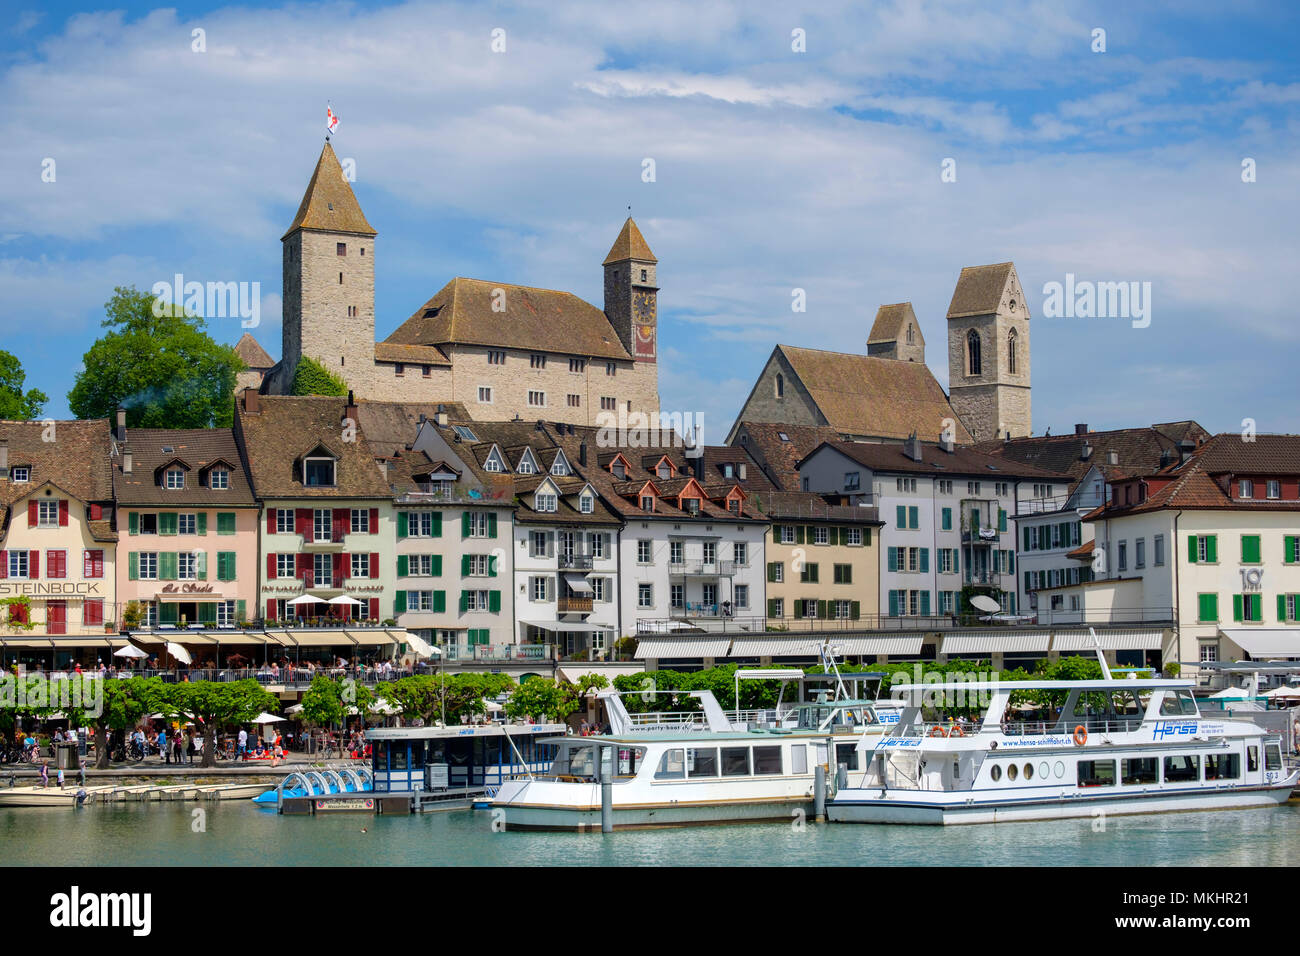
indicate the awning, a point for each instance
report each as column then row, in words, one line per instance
column 1138, row 639
column 79, row 641
column 575, row 672
column 1263, row 644
column 578, row 583
column 372, row 638
column 1002, row 641
column 240, row 637
column 890, row 644
column 567, row 627
column 667, row 648
column 307, row 638
column 776, row 647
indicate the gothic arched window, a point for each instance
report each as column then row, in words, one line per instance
column 1011, row 351
column 780, row 385
column 973, row 364
column 911, row 334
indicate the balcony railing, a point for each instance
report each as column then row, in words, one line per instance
column 573, row 605
column 498, row 652
column 1039, row 506
column 575, row 562
column 711, row 569
column 981, row 536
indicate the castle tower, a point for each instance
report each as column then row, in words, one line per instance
column 896, row 334
column 631, row 296
column 988, row 352
column 329, row 281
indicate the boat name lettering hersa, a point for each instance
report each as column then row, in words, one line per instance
column 1115, row 747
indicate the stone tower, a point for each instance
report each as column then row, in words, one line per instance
column 329, row 281
column 988, row 352
column 631, row 296
column 896, row 334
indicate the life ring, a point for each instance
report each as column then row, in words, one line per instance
column 1080, row 736
column 956, row 731
column 937, row 732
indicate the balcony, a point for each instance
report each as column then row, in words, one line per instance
column 707, row 569
column 431, row 493
column 985, row 536
column 332, row 543
column 498, row 652
column 1042, row 506
column 575, row 562
column 573, row 605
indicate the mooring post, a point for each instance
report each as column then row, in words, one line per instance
column 819, row 794
column 606, row 791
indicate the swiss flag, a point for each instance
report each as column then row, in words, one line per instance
column 331, row 120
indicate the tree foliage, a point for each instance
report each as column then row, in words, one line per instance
column 211, row 703
column 15, row 404
column 540, row 698
column 164, row 368
column 313, row 378
column 423, row 695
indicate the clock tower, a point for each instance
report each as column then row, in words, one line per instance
column 631, row 295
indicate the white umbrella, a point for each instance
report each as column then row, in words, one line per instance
column 1284, row 692
column 179, row 652
column 295, row 709
column 492, row 705
column 421, row 647
column 342, row 599
column 306, row 599
column 265, row 718
column 130, row 650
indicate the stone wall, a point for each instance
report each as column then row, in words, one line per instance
column 320, row 286
column 796, row 407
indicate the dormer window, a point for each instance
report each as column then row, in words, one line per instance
column 1274, row 488
column 733, row 505
column 545, row 502
column 219, row 479
column 586, row 504
column 647, row 502
column 493, row 462
column 526, row 466
column 728, row 471
column 560, row 467
column 664, row 471
column 175, row 479
column 318, row 472
column 692, row 505
column 619, row 469
column 1246, row 488
column 21, row 474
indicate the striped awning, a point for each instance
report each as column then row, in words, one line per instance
column 667, row 648
column 1135, row 639
column 776, row 647
column 884, row 644
column 322, row 638
column 997, row 641
column 373, row 638
column 1262, row 644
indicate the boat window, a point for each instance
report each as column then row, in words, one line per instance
column 630, row 761
column 1059, row 769
column 1272, row 757
column 1182, row 768
column 1012, row 772
column 1044, row 770
column 996, row 773
column 847, row 754
column 1178, row 704
column 397, row 755
column 767, row 760
column 798, row 759
column 1096, row 773
column 417, row 755
column 1139, row 770
column 956, row 769
column 1252, row 758
column 1029, row 771
column 735, row 761
column 1125, row 703
column 672, row 766
column 702, row 762
column 1222, row 766
column 381, row 756
column 576, row 762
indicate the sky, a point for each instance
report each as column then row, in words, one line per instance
column 1167, row 157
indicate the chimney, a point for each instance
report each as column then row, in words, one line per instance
column 4, row 457
column 1112, row 458
column 741, row 471
column 582, row 454
column 128, row 461
column 1185, row 448
column 912, row 447
column 1081, row 429
column 252, row 401
column 541, row 425
column 946, row 443
column 441, row 416
column 350, row 410
column 1086, row 451
column 121, row 423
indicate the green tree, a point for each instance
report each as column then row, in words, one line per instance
column 540, row 698
column 211, row 703
column 15, row 404
column 159, row 363
column 313, row 378
column 122, row 704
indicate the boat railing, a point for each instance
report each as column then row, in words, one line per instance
column 1018, row 728
column 685, row 719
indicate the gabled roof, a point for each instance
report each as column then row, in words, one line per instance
column 196, row 450
column 77, row 459
column 470, row 312
column 778, row 455
column 979, row 290
column 252, row 354
column 329, row 204
column 891, row 323
column 392, row 426
column 961, row 462
column 630, row 244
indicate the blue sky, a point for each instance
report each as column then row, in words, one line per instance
column 775, row 170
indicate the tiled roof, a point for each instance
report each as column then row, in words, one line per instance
column 808, row 506
column 328, row 204
column 410, row 354
column 870, row 397
column 252, row 354
column 780, row 455
column 891, row 323
column 1274, row 455
column 1083, row 551
column 960, row 462
column 77, row 460
column 715, row 457
column 630, row 244
column 392, row 426
column 979, row 290
column 287, row 428
column 543, row 320
column 152, row 448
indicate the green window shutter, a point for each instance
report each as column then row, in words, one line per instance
column 771, row 575
column 200, row 565
column 226, row 522
column 440, row 601
column 437, row 565
column 1011, row 562
column 893, row 559
column 133, row 522
column 464, row 601
column 403, row 565
column 1281, row 607
column 1288, row 548
column 866, row 537
column 167, row 565
column 167, row 522
column 1191, row 549
column 925, row 560
column 913, row 517
column 1209, row 610
column 771, row 607
column 492, row 525
column 1002, row 520
column 494, row 601
column 900, row 517
column 893, row 604
column 833, row 536
column 169, row 613
column 399, row 602
column 1250, row 549
column 821, row 610
column 401, row 525
column 241, row 610
column 492, row 566
column 464, row 565
column 437, row 524
column 947, row 519
column 1236, row 607
column 201, row 522
column 133, row 566
column 232, row 565
column 1212, row 548
column 208, row 612
column 855, row 610
column 464, row 524
column 798, row 534
column 1257, row 607
column 776, row 534
column 925, row 603
column 1026, row 580
column 796, row 608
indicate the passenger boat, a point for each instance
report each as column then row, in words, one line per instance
column 1118, row 746
column 664, row 770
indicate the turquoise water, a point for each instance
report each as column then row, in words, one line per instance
column 240, row 834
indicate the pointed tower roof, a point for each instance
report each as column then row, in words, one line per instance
column 979, row 289
column 254, row 356
column 891, row 323
column 630, row 244
column 329, row 204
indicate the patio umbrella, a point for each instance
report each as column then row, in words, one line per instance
column 421, row 647
column 341, row 599
column 179, row 652
column 130, row 650
column 306, row 599
column 265, row 718
column 1284, row 692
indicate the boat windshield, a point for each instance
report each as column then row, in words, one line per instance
column 1178, row 703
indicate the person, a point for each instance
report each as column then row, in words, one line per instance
column 81, row 773
column 45, row 773
column 162, row 746
column 190, row 748
column 176, row 747
column 60, row 778
column 243, row 744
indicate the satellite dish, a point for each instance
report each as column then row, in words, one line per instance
column 986, row 604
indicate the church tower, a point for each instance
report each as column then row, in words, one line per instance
column 329, row 281
column 988, row 353
column 631, row 296
column 896, row 334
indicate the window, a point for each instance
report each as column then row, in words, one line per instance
column 821, row 536
column 610, row 368
column 972, row 487
column 1158, row 550
column 1182, row 768
column 341, row 248
column 1139, row 770
column 148, row 565
column 767, row 761
column 577, row 365
column 647, row 502
column 1140, row 553
column 1222, row 766
column 945, row 486
column 973, row 365
column 1248, row 607
column 361, row 566
column 575, row 401
column 47, row 514
column 851, row 537
column 186, row 524
column 1246, row 488
column 419, row 524
column 323, row 570
column 905, row 484
column 537, row 588
column 599, row 591
column 645, row 595
column 672, row 766
column 735, row 761
column 843, row 574
column 1209, row 652
column 608, row 404
column 546, row 503
column 780, row 385
column 475, row 600
column 537, row 360
column 740, row 553
column 175, row 479
column 21, row 474
column 318, row 472
column 643, row 551
column 787, row 534
column 285, row 565
column 18, row 565
column 808, row 574
column 597, row 545
column 776, row 607
column 496, row 358
column 536, row 399
column 1096, row 773
column 1122, row 560
column 1011, row 351
column 419, row 600
column 702, row 762
column 485, row 395
column 93, row 564
column 1203, row 549
column 1274, row 489
column 399, row 369
column 586, row 504
column 360, row 521
column 776, row 572
column 284, row 521
column 676, row 596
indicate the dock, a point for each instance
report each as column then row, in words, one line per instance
column 401, row 803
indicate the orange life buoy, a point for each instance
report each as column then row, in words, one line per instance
column 1080, row 736
column 956, row 731
column 937, row 732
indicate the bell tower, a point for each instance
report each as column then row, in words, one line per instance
column 631, row 295
column 988, row 353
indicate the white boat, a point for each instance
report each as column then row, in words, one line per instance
column 1118, row 746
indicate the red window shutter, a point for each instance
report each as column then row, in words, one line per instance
column 302, row 521
column 341, row 566
column 270, row 566
column 270, row 520
column 97, row 563
column 63, row 514
column 56, row 564
column 374, row 565
column 374, row 609
column 270, row 610
column 4, row 565
column 96, row 512
column 342, row 522
column 304, row 565
column 31, row 514
column 374, row 521
column 33, row 564
column 93, row 612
